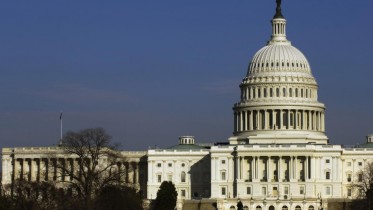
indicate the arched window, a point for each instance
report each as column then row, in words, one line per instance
column 183, row 175
column 271, row 208
column 277, row 92
column 298, row 208
column 291, row 92
column 232, row 208
column 284, row 208
column 245, row 208
column 284, row 92
column 258, row 208
column 311, row 208
column 296, row 92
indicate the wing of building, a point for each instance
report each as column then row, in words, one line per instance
column 279, row 156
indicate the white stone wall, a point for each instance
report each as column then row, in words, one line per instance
column 170, row 165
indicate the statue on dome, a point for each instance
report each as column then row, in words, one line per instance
column 278, row 10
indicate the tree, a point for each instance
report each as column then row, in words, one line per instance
column 239, row 205
column 93, row 165
column 166, row 196
column 35, row 196
column 364, row 188
column 118, row 198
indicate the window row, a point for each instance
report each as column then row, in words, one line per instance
column 159, row 165
column 264, row 92
column 169, row 177
column 262, row 65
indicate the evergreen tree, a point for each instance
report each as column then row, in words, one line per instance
column 166, row 196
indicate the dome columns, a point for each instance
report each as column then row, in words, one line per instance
column 278, row 119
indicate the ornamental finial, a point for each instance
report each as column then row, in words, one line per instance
column 278, row 10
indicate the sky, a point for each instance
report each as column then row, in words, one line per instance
column 151, row 71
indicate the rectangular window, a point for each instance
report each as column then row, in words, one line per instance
column 222, row 161
column 223, row 175
column 169, row 177
column 349, row 192
column 248, row 190
column 301, row 190
column 348, row 177
column 348, row 163
column 159, row 178
column 274, row 191
column 360, row 163
column 159, row 165
column 327, row 175
column 170, row 165
column 183, row 193
column 286, row 190
column 327, row 190
column 264, row 191
column 360, row 177
column 327, row 161
column 223, row 191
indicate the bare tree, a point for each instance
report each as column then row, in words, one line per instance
column 364, row 187
column 92, row 164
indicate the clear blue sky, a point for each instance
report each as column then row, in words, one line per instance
column 150, row 71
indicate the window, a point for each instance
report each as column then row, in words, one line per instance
column 258, row 208
column 298, row 208
column 183, row 193
column 232, row 208
column 348, row 163
column 245, row 208
column 248, row 190
column 222, row 161
column 286, row 190
column 223, row 175
column 349, row 192
column 311, row 208
column 223, row 191
column 301, row 190
column 327, row 190
column 183, row 164
column 327, row 175
column 360, row 177
column 360, row 163
column 169, row 177
column 159, row 165
column 327, row 161
column 170, row 165
column 183, row 176
column 159, row 178
column 264, row 191
column 284, row 208
column 349, row 177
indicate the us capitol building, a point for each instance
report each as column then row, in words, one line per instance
column 278, row 158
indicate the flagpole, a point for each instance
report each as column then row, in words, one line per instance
column 61, row 129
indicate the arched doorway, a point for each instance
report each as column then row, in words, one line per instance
column 298, row 208
column 258, row 208
column 311, row 208
column 284, row 208
column 271, row 208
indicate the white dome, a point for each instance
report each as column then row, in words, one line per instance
column 278, row 58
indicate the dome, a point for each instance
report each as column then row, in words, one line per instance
column 282, row 58
column 279, row 96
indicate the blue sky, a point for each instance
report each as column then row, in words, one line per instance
column 150, row 71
